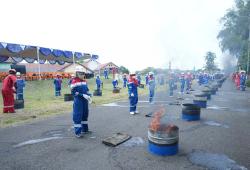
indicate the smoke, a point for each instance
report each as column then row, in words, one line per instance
column 229, row 63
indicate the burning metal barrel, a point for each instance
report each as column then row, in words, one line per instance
column 163, row 138
column 190, row 112
column 200, row 100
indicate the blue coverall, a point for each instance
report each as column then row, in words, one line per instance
column 171, row 87
column 106, row 74
column 200, row 79
column 98, row 83
column 115, row 83
column 182, row 81
column 146, row 79
column 242, row 82
column 58, row 85
column 19, row 91
column 133, row 95
column 80, row 105
column 125, row 80
column 151, row 86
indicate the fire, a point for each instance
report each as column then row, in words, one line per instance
column 157, row 126
column 155, row 123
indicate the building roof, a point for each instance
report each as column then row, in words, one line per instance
column 102, row 66
column 84, row 65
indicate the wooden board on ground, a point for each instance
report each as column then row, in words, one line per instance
column 116, row 139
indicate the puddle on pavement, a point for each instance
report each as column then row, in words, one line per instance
column 113, row 105
column 213, row 123
column 214, row 107
column 134, row 141
column 34, row 141
column 213, row 161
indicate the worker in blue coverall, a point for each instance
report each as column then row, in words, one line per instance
column 242, row 80
column 133, row 93
column 125, row 81
column 171, row 84
column 182, row 81
column 72, row 76
column 200, row 79
column 188, row 82
column 151, row 87
column 106, row 74
column 139, row 78
column 115, row 83
column 20, row 84
column 58, row 85
column 82, row 98
column 98, row 83
column 205, row 78
column 146, row 79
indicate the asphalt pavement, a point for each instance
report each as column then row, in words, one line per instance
column 220, row 140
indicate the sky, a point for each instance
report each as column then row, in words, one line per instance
column 133, row 33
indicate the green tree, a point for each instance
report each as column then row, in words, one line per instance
column 210, row 64
column 123, row 70
column 234, row 35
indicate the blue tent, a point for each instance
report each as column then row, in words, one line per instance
column 30, row 54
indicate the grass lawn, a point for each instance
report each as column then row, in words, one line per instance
column 40, row 101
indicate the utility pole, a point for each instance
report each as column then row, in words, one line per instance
column 248, row 42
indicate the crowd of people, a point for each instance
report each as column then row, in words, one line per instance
column 14, row 84
column 239, row 79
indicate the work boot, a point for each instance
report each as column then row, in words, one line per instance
column 132, row 113
column 78, row 135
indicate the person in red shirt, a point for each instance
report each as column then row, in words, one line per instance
column 237, row 80
column 8, row 90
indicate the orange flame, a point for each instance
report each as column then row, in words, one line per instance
column 155, row 123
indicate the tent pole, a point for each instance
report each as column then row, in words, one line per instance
column 74, row 64
column 38, row 60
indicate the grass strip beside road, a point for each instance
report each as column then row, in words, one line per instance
column 41, row 103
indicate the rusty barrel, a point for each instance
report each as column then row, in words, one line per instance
column 97, row 93
column 19, row 104
column 200, row 100
column 190, row 112
column 164, row 142
column 116, row 90
column 68, row 97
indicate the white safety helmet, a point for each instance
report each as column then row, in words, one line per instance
column 18, row 74
column 132, row 74
column 151, row 73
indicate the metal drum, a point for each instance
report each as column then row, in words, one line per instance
column 190, row 112
column 200, row 100
column 116, row 90
column 19, row 104
column 165, row 141
column 68, row 97
column 97, row 93
column 207, row 92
